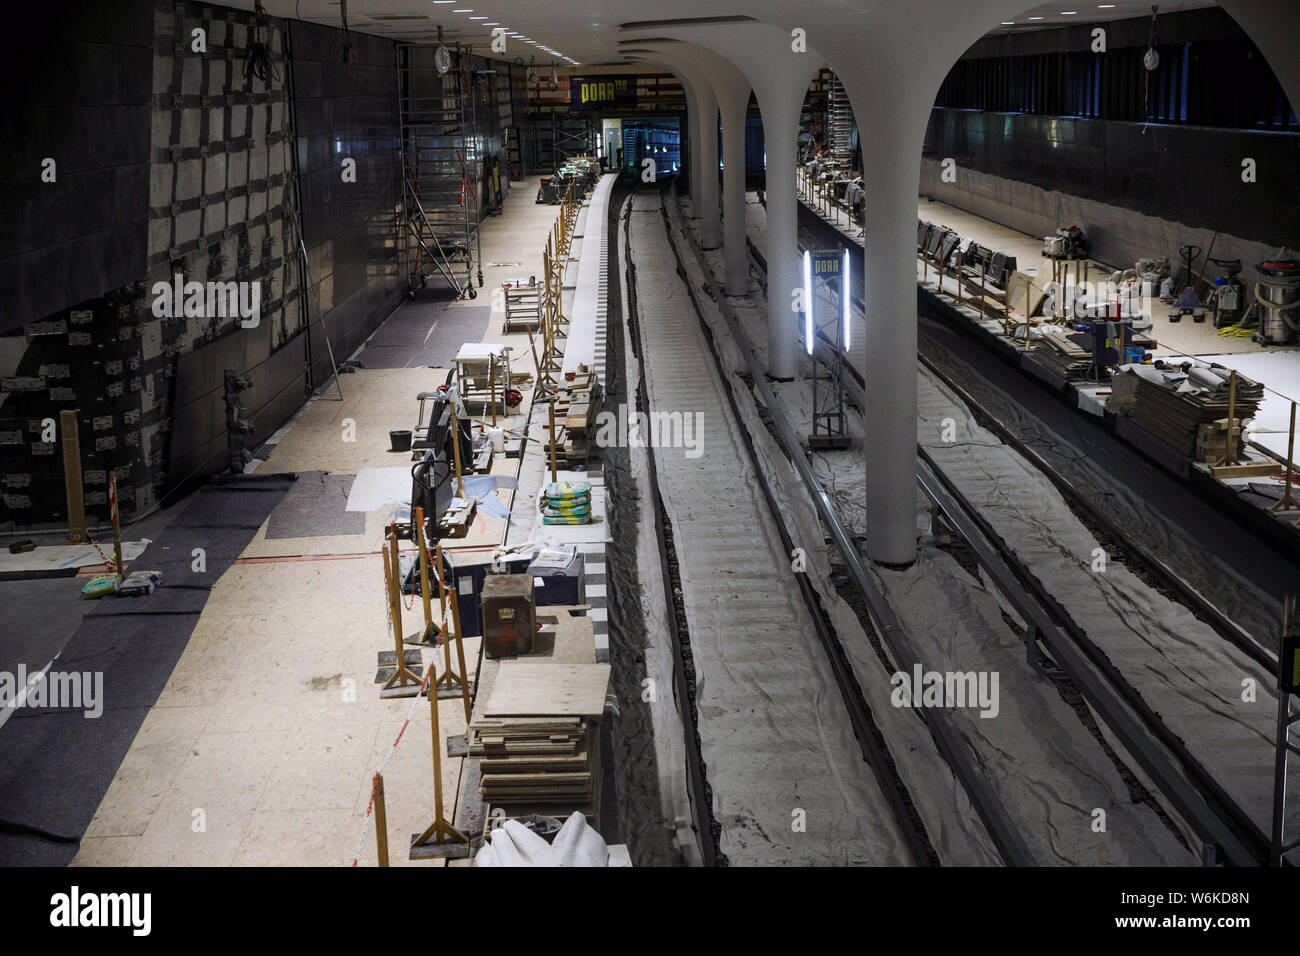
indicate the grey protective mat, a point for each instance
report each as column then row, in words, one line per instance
column 57, row 764
column 424, row 333
column 316, row 506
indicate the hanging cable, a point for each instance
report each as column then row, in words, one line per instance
column 1150, row 60
column 260, row 62
column 347, row 36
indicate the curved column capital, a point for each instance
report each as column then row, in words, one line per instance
column 761, row 53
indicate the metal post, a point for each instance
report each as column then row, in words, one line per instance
column 1288, row 664
column 550, row 408
column 455, row 446
column 1287, row 502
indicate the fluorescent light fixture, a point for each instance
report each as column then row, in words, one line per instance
column 468, row 10
column 478, row 18
column 1008, row 23
column 844, row 294
column 1105, row 6
column 1035, row 18
column 807, row 302
column 1069, row 13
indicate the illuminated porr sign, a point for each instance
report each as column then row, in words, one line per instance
column 610, row 91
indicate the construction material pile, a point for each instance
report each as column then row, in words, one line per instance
column 577, row 402
column 1174, row 402
column 538, row 738
column 536, row 760
column 566, row 502
column 1064, row 354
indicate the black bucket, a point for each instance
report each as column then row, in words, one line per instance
column 401, row 440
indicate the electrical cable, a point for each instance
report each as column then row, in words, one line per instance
column 260, row 62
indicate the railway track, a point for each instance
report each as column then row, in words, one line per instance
column 1227, row 831
column 796, row 768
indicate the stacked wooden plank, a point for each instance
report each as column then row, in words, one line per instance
column 575, row 410
column 1174, row 414
column 1059, row 352
column 537, row 738
column 537, row 760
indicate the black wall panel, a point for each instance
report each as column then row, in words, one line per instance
column 347, row 110
column 1186, row 174
column 77, row 79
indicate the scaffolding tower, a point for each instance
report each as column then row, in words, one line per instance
column 558, row 137
column 839, row 119
column 442, row 167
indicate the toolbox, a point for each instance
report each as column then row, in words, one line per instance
column 466, row 573
column 509, row 620
column 558, row 576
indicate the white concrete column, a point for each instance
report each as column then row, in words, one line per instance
column 733, row 103
column 892, row 181
column 693, row 152
column 779, row 71
column 731, row 90
column 784, row 272
column 706, row 134
column 702, row 124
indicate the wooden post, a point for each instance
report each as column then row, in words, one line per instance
column 456, row 680
column 117, row 524
column 1230, row 455
column 430, row 634
column 442, row 585
column 72, row 477
column 404, row 681
column 381, row 820
column 440, row 832
column 1286, row 502
column 455, row 445
column 551, row 428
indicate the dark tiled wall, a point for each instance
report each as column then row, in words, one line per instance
column 77, row 82
column 218, row 184
column 222, row 198
column 1190, row 175
column 347, row 110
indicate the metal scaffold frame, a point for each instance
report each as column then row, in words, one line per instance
column 442, row 165
column 840, row 123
